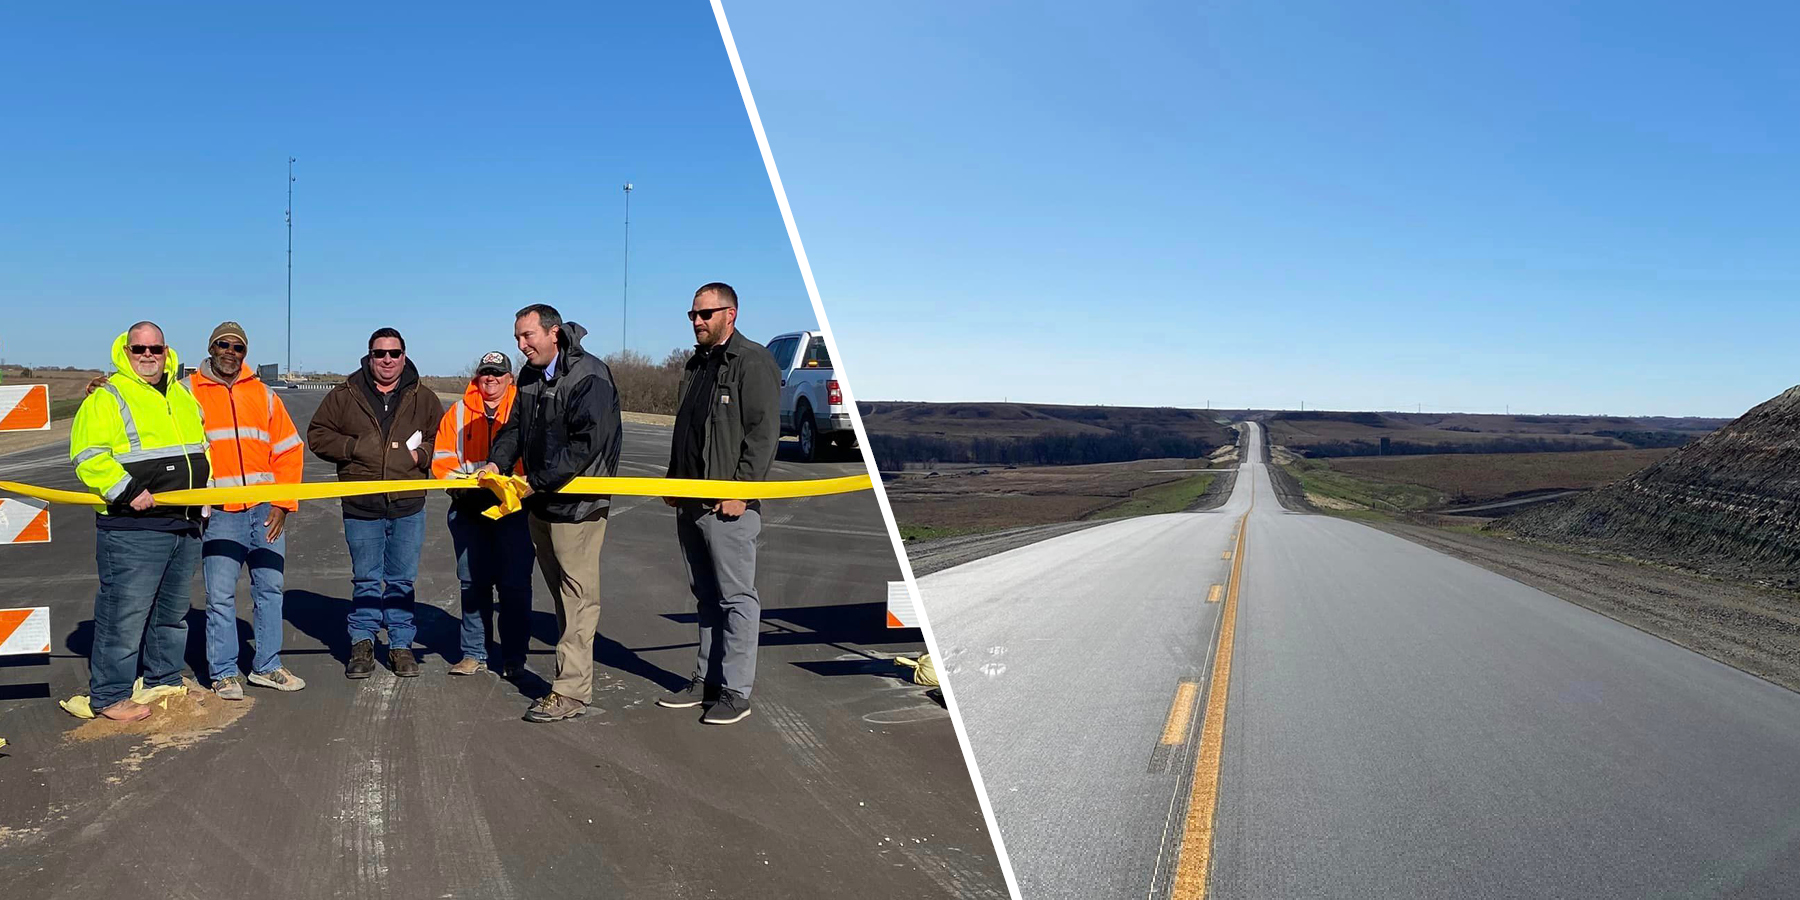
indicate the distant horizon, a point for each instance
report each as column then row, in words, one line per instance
column 1334, row 409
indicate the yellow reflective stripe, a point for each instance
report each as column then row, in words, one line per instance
column 690, row 488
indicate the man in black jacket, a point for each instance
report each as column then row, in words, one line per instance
column 565, row 424
column 727, row 429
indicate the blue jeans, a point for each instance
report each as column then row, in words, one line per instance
column 140, row 613
column 384, row 562
column 494, row 554
column 234, row 539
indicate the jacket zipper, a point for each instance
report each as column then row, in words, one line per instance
column 236, row 433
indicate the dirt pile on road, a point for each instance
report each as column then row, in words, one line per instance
column 1726, row 505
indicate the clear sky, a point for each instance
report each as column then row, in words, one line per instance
column 456, row 162
column 1579, row 208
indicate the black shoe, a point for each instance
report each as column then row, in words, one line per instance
column 362, row 660
column 694, row 694
column 729, row 708
column 401, row 659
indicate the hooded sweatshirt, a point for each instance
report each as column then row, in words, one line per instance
column 363, row 431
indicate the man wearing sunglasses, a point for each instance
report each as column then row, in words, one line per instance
column 727, row 428
column 381, row 425
column 140, row 435
column 253, row 441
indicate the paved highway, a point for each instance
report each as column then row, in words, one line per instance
column 845, row 780
column 1398, row 723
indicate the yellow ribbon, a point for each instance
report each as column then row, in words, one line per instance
column 507, row 489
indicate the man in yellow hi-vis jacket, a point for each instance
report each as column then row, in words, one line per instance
column 139, row 435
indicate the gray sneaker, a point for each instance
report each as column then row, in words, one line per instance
column 231, row 687
column 279, row 679
column 730, row 707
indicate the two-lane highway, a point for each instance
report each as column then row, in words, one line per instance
column 1398, row 723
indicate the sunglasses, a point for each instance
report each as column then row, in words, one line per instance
column 148, row 349
column 386, row 354
column 227, row 345
column 695, row 315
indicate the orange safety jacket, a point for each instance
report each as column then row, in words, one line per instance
column 465, row 434
column 250, row 438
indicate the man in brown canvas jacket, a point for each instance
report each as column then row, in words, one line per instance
column 381, row 424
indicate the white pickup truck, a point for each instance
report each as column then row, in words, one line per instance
column 812, row 404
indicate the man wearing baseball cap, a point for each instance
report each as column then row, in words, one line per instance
column 490, row 553
column 251, row 440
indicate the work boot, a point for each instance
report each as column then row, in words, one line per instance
column 469, row 665
column 231, row 687
column 694, row 694
column 512, row 671
column 403, row 663
column 555, row 707
column 279, row 679
column 730, row 707
column 362, row 660
column 126, row 711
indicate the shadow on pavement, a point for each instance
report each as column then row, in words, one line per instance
column 607, row 652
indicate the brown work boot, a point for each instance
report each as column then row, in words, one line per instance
column 130, row 711
column 555, row 707
column 403, row 663
column 468, row 665
column 362, row 660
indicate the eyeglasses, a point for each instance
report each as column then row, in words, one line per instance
column 147, row 349
column 695, row 315
column 227, row 345
column 386, row 354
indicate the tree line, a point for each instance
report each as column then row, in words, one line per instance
column 1123, row 445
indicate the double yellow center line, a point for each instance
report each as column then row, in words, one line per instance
column 1195, row 859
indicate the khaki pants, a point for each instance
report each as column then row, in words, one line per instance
column 569, row 555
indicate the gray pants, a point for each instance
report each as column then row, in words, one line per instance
column 721, row 565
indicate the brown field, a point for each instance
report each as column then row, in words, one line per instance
column 1476, row 477
column 1003, row 420
column 985, row 498
column 1300, row 431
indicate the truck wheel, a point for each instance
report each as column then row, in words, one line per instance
column 809, row 438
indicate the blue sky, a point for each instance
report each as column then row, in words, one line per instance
column 1576, row 208
column 455, row 163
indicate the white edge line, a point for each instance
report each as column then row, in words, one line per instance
column 862, row 439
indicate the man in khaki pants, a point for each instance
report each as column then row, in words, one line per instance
column 565, row 424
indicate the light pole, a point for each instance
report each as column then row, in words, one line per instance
column 290, row 272
column 625, row 285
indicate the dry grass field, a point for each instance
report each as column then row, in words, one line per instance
column 989, row 498
column 1476, row 477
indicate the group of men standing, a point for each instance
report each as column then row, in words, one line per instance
column 142, row 432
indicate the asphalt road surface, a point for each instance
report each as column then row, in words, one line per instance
column 1399, row 723
column 845, row 780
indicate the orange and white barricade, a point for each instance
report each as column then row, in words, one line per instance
column 24, row 522
column 902, row 612
column 24, row 407
column 25, row 631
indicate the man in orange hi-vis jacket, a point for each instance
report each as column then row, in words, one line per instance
column 250, row 440
column 490, row 553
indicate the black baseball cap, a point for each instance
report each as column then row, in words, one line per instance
column 494, row 363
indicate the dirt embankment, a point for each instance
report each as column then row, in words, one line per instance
column 1726, row 506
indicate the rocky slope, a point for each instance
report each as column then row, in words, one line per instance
column 1726, row 505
